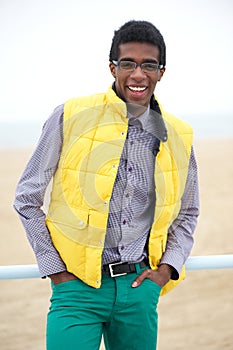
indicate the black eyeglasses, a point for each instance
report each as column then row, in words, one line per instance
column 130, row 66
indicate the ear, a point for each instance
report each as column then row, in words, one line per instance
column 112, row 68
column 161, row 73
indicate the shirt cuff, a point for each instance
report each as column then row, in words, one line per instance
column 176, row 261
column 50, row 263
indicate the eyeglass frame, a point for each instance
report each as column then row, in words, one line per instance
column 117, row 64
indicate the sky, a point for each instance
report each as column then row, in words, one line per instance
column 52, row 50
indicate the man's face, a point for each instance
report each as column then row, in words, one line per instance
column 136, row 86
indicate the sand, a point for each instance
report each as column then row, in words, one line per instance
column 198, row 314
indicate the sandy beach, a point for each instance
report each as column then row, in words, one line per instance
column 198, row 314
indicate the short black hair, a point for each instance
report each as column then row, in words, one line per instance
column 138, row 31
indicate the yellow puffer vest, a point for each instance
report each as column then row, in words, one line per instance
column 94, row 132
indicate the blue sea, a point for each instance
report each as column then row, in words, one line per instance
column 26, row 134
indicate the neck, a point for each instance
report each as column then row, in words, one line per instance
column 136, row 110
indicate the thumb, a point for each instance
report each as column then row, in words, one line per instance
column 140, row 278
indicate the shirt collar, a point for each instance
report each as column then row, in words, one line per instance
column 150, row 121
column 141, row 120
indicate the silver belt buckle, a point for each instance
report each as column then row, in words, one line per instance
column 111, row 270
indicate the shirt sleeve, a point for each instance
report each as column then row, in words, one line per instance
column 180, row 233
column 31, row 192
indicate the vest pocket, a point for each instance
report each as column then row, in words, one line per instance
column 86, row 227
column 67, row 221
column 68, row 216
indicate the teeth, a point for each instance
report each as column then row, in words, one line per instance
column 137, row 88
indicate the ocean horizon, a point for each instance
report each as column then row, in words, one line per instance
column 26, row 133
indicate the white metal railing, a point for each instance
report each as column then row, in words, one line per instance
column 209, row 262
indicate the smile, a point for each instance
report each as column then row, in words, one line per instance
column 137, row 88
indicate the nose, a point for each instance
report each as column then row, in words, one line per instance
column 138, row 73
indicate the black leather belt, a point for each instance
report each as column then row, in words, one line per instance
column 121, row 268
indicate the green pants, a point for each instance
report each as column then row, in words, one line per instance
column 126, row 317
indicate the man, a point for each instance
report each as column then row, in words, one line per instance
column 124, row 203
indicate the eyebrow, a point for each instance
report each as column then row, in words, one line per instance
column 149, row 60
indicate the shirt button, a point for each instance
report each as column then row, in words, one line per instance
column 122, row 247
column 130, row 169
column 127, row 195
column 122, row 133
column 124, row 222
column 131, row 142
